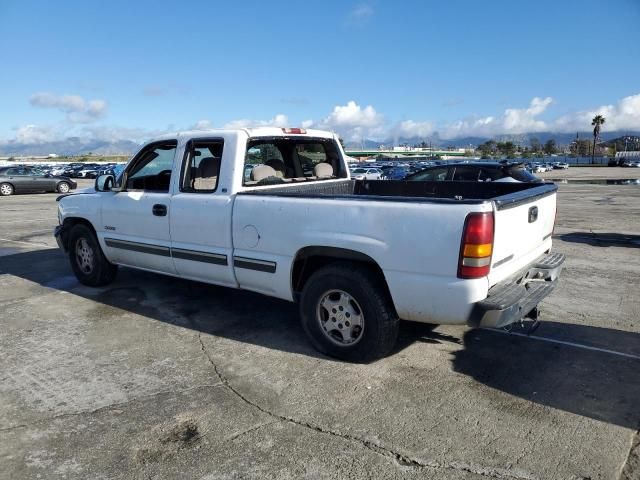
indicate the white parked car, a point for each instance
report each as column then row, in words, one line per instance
column 357, row 256
column 367, row 173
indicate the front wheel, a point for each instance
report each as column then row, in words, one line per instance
column 6, row 189
column 87, row 260
column 63, row 187
column 346, row 312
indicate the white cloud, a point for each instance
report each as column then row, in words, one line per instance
column 34, row 134
column 410, row 128
column 78, row 109
column 360, row 14
column 280, row 120
column 202, row 125
column 512, row 121
column 351, row 121
column 625, row 115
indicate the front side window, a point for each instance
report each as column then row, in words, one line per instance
column 201, row 167
column 151, row 169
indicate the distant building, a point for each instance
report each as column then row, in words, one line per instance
column 52, row 155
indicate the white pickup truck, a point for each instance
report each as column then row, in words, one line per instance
column 274, row 211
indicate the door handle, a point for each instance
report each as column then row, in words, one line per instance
column 159, row 210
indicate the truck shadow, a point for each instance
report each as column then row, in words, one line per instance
column 585, row 382
column 224, row 312
column 602, row 239
column 590, row 382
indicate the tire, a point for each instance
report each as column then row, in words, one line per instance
column 87, row 259
column 6, row 189
column 349, row 287
column 63, row 187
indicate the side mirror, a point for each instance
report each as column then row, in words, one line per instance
column 104, row 183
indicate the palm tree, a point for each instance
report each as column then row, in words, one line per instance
column 596, row 122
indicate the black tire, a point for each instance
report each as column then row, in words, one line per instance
column 95, row 270
column 60, row 190
column 6, row 189
column 364, row 285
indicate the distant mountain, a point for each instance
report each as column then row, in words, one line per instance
column 519, row 139
column 70, row 146
column 625, row 143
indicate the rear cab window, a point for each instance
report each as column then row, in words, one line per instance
column 281, row 160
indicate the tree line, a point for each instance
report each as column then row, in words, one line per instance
column 492, row 148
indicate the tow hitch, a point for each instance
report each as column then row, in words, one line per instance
column 529, row 322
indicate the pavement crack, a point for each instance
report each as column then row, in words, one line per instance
column 104, row 408
column 401, row 459
column 632, row 460
column 253, row 428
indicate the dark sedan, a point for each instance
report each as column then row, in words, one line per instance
column 28, row 179
column 474, row 172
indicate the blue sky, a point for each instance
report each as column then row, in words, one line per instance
column 125, row 69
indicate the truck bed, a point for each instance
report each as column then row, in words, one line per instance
column 505, row 195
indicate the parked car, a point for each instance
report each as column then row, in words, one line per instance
column 396, row 173
column 90, row 170
column 367, row 173
column 356, row 255
column 475, row 172
column 27, row 179
column 560, row 165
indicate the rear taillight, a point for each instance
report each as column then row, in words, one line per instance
column 294, row 131
column 477, row 246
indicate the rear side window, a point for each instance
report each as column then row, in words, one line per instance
column 522, row 175
column 490, row 174
column 201, row 166
column 430, row 175
column 466, row 174
column 272, row 161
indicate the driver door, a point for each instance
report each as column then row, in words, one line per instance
column 135, row 221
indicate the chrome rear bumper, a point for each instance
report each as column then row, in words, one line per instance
column 511, row 301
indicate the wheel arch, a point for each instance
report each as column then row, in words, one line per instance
column 68, row 224
column 310, row 259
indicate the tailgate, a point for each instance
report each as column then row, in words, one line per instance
column 523, row 226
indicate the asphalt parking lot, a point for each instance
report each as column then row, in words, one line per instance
column 154, row 377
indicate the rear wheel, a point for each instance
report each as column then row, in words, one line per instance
column 63, row 187
column 87, row 259
column 6, row 189
column 347, row 313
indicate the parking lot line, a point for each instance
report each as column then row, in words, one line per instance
column 23, row 221
column 25, row 243
column 570, row 344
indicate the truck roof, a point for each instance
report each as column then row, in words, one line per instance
column 251, row 132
